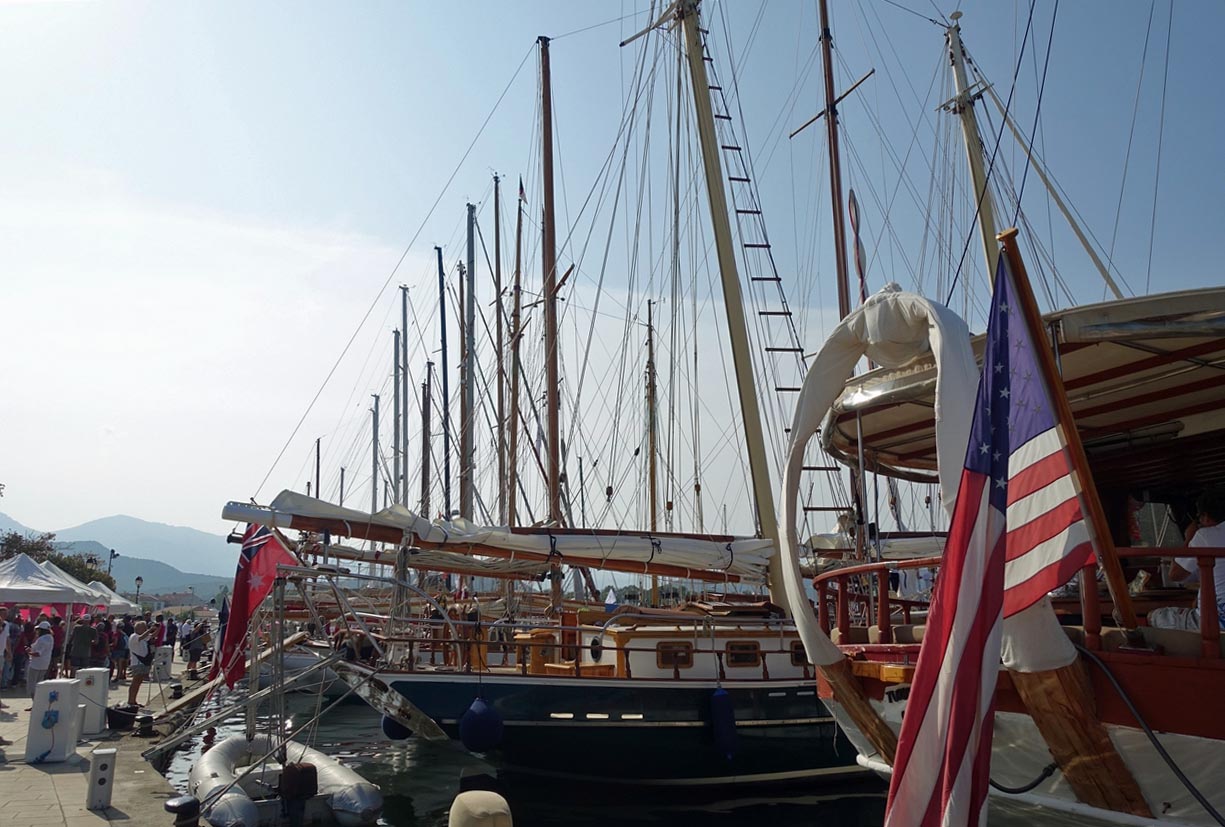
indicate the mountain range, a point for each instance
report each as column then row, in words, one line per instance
column 167, row 558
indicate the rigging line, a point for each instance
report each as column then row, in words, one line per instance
column 1038, row 111
column 999, row 135
column 392, row 274
column 1131, row 134
column 1165, row 76
column 598, row 25
column 931, row 20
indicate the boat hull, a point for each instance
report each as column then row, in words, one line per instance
column 639, row 732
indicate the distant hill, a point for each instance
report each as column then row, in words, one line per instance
column 158, row 577
column 7, row 524
column 180, row 547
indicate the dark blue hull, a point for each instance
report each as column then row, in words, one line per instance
column 646, row 732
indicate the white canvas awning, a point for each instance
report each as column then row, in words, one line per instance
column 25, row 582
column 116, row 603
column 89, row 593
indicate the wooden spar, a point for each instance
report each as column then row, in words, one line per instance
column 512, row 446
column 548, row 258
column 425, row 440
column 1094, row 515
column 498, row 342
column 651, row 438
column 835, row 165
column 1060, row 701
column 446, row 396
column 379, row 532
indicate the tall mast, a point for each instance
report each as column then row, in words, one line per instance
column 396, row 423
column 342, row 486
column 404, row 384
column 467, row 407
column 835, row 164
column 318, row 490
column 446, row 395
column 374, row 456
column 512, row 447
column 549, row 260
column 498, row 342
column 651, row 441
column 763, row 496
column 425, row 440
column 963, row 106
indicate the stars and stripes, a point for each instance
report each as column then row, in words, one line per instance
column 1017, row 532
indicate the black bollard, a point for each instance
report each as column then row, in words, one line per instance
column 186, row 810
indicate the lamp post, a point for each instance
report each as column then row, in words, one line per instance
column 111, row 561
column 140, row 581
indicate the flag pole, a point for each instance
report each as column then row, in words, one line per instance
column 1104, row 541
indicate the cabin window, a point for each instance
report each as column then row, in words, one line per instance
column 743, row 653
column 674, row 654
column 798, row 656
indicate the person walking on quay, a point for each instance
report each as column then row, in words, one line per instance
column 40, row 658
column 80, row 645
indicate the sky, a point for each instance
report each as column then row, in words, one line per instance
column 206, row 208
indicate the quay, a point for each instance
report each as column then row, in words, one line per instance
column 50, row 794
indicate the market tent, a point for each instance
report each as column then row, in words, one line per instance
column 115, row 602
column 25, row 582
column 91, row 595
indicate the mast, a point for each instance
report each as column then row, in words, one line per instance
column 651, row 441
column 374, row 456
column 318, row 490
column 446, row 396
column 396, row 423
column 516, row 334
column 962, row 105
column 763, row 496
column 835, row 164
column 342, row 486
column 498, row 342
column 548, row 258
column 468, row 373
column 425, row 440
column 404, row 384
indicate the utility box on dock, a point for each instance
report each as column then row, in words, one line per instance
column 52, row 734
column 162, row 659
column 101, row 778
column 95, row 684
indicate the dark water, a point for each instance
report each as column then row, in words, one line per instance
column 419, row 779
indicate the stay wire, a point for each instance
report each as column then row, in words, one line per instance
column 1037, row 113
column 1165, row 77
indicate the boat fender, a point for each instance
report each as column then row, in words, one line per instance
column 479, row 808
column 357, row 804
column 480, row 728
column 299, row 781
column 394, row 730
column 723, row 722
column 234, row 809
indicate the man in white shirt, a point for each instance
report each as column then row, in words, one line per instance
column 184, row 634
column 1208, row 531
column 40, row 658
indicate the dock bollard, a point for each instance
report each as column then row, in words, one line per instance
column 101, row 779
column 144, row 725
column 479, row 808
column 176, row 691
column 186, row 810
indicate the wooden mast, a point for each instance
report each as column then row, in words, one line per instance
column 467, row 406
column 497, row 290
column 425, row 440
column 835, row 165
column 516, row 334
column 548, row 258
column 446, row 396
column 651, row 442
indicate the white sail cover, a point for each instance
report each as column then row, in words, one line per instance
column 25, row 582
column 115, row 602
column 746, row 558
column 891, row 328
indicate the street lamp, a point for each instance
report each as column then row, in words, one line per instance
column 140, row 581
column 111, row 561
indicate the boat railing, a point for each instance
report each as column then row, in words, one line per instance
column 844, row 582
column 841, row 581
column 557, row 650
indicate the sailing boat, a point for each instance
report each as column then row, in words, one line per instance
column 1097, row 713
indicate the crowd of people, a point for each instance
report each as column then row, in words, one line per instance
column 35, row 646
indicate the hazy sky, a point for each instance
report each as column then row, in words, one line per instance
column 200, row 201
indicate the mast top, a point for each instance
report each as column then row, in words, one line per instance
column 955, row 16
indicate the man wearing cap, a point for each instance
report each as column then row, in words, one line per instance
column 40, row 657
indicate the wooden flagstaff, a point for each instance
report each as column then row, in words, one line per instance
column 1096, row 517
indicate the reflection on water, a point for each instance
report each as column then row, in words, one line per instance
column 419, row 780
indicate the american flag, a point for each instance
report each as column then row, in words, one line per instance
column 1016, row 533
column 262, row 551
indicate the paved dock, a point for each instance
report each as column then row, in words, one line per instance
column 45, row 795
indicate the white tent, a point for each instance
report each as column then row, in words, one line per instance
column 24, row 581
column 89, row 593
column 115, row 602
